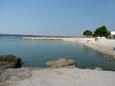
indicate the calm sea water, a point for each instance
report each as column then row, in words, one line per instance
column 35, row 53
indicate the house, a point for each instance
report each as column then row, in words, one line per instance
column 113, row 33
column 112, row 36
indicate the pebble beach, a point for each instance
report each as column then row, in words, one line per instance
column 105, row 46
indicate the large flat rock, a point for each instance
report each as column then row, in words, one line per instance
column 68, row 77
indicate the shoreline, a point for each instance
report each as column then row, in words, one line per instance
column 104, row 46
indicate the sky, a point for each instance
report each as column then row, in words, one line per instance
column 55, row 17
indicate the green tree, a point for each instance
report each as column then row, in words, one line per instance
column 114, row 36
column 87, row 33
column 102, row 31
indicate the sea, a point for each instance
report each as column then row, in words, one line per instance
column 36, row 53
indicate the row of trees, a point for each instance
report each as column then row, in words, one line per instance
column 101, row 31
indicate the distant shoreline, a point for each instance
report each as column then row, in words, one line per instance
column 27, row 35
column 105, row 46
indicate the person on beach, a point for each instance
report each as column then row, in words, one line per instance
column 96, row 39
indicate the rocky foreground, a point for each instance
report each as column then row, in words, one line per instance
column 60, row 77
column 62, row 72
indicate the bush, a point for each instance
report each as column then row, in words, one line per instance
column 114, row 36
column 102, row 31
column 87, row 33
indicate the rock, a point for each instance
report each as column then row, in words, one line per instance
column 10, row 61
column 4, row 84
column 18, row 74
column 13, row 78
column 61, row 63
column 98, row 68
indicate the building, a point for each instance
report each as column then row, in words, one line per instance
column 113, row 33
column 112, row 36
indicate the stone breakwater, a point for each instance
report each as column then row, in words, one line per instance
column 41, row 38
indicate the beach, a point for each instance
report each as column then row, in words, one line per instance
column 105, row 46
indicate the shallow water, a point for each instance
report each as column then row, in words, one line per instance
column 35, row 53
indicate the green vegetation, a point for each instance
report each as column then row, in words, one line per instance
column 114, row 36
column 114, row 48
column 87, row 33
column 101, row 31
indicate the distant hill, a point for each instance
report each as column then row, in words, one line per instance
column 22, row 35
column 15, row 35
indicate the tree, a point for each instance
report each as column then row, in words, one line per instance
column 114, row 36
column 87, row 33
column 102, row 31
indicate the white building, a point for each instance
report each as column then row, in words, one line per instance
column 113, row 33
